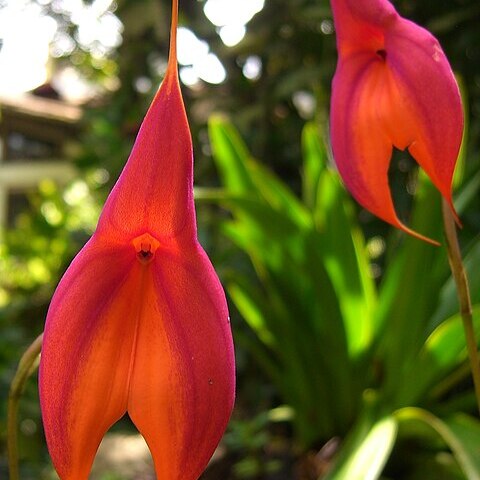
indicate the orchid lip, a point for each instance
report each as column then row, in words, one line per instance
column 145, row 247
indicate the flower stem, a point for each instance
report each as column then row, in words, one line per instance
column 463, row 292
column 27, row 365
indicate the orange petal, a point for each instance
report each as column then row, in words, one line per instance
column 86, row 355
column 182, row 387
column 154, row 192
column 142, row 328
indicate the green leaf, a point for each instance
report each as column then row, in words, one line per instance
column 443, row 351
column 303, row 319
column 230, row 155
column 263, row 232
column 242, row 175
column 345, row 257
column 468, row 193
column 462, row 155
column 367, row 450
column 314, row 285
column 448, row 301
column 248, row 302
column 314, row 161
column 460, row 432
column 409, row 292
column 277, row 194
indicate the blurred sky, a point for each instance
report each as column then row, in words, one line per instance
column 29, row 38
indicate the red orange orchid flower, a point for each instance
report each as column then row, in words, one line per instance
column 393, row 88
column 139, row 322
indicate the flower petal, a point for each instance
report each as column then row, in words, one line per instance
column 85, row 356
column 360, row 25
column 393, row 87
column 155, row 190
column 425, row 78
column 182, row 385
column 149, row 337
column 360, row 144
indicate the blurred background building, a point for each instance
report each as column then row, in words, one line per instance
column 36, row 130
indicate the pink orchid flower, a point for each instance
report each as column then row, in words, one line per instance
column 139, row 322
column 393, row 88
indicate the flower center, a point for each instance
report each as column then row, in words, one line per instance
column 382, row 53
column 145, row 246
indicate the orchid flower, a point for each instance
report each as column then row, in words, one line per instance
column 393, row 87
column 139, row 322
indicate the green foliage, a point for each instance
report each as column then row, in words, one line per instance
column 250, row 439
column 367, row 449
column 350, row 356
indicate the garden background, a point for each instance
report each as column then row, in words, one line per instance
column 350, row 353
